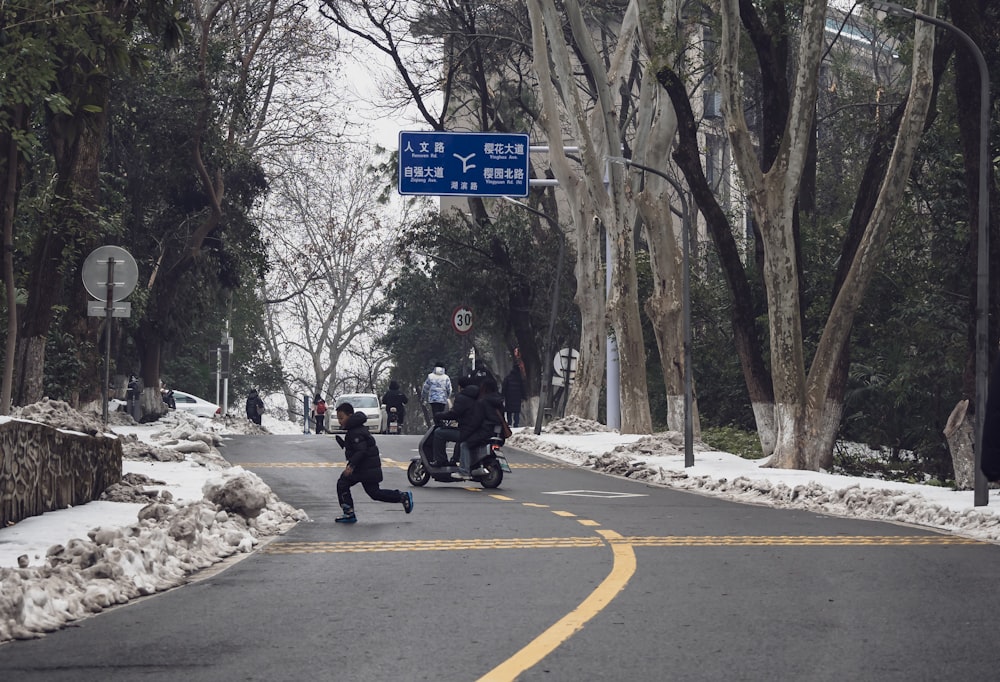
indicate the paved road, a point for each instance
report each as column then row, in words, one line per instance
column 561, row 574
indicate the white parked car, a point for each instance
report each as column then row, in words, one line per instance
column 362, row 402
column 195, row 405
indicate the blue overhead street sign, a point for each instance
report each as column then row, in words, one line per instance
column 464, row 164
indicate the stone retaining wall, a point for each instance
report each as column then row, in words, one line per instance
column 43, row 468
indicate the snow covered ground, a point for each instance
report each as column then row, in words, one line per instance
column 182, row 508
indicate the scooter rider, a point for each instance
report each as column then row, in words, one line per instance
column 490, row 406
column 465, row 412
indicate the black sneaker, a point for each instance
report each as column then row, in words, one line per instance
column 407, row 501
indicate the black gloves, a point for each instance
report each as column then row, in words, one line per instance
column 340, row 441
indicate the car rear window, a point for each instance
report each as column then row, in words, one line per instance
column 360, row 401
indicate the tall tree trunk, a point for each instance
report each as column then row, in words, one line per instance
column 58, row 254
column 749, row 350
column 821, row 411
column 585, row 237
column 12, row 165
column 613, row 205
column 656, row 131
column 595, row 130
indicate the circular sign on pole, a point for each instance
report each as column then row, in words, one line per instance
column 565, row 361
column 95, row 273
column 461, row 320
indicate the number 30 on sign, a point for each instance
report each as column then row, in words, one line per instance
column 461, row 320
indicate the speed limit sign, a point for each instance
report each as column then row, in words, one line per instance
column 461, row 320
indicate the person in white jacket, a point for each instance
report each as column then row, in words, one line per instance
column 436, row 390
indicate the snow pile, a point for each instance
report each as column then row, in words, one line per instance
column 576, row 426
column 60, row 415
column 659, row 459
column 174, row 534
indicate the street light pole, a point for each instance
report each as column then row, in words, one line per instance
column 686, row 305
column 981, row 494
column 546, row 373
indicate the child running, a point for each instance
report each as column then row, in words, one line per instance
column 364, row 465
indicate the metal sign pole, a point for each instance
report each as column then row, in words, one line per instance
column 109, row 309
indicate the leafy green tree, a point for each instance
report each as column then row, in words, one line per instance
column 58, row 60
column 502, row 270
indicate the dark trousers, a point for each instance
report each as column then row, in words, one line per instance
column 442, row 436
column 320, row 418
column 345, row 482
column 513, row 419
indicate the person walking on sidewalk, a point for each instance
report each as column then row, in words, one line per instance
column 364, row 465
column 319, row 413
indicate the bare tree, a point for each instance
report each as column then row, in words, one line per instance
column 333, row 246
column 595, row 127
column 273, row 102
column 806, row 421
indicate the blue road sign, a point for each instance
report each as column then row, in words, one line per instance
column 464, row 164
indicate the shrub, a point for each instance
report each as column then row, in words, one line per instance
column 733, row 440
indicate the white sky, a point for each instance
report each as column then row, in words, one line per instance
column 57, row 598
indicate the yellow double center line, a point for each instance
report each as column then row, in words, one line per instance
column 622, row 570
column 547, row 642
column 613, row 539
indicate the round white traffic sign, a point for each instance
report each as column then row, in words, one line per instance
column 125, row 273
column 461, row 320
column 565, row 361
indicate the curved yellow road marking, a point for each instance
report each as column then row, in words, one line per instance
column 621, row 571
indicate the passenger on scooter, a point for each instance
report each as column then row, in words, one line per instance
column 490, row 406
column 465, row 412
column 493, row 410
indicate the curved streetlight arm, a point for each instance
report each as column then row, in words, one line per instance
column 981, row 492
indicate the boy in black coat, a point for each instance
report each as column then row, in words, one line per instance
column 364, row 465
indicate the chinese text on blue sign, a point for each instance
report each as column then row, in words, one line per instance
column 467, row 164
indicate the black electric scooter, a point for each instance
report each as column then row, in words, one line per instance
column 487, row 464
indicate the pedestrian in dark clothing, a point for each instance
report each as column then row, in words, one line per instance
column 513, row 392
column 394, row 398
column 255, row 406
column 990, row 460
column 132, row 396
column 465, row 413
column 364, row 465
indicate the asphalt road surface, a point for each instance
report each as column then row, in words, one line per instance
column 559, row 574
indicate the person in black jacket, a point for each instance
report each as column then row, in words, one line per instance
column 395, row 398
column 364, row 465
column 490, row 407
column 465, row 413
column 513, row 392
column 255, row 406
